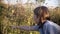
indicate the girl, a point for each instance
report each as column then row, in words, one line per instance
column 42, row 19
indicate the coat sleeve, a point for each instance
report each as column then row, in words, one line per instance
column 30, row 28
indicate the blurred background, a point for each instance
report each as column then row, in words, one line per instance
column 20, row 12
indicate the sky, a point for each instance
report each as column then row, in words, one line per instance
column 15, row 1
column 53, row 3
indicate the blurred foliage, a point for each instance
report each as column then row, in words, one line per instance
column 55, row 15
column 19, row 15
column 15, row 15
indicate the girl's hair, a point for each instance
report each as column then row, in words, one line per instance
column 39, row 11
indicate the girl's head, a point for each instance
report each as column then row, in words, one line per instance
column 41, row 13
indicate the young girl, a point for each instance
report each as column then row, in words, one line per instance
column 42, row 19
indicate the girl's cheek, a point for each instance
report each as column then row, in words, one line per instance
column 35, row 18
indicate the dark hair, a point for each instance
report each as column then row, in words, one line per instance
column 38, row 11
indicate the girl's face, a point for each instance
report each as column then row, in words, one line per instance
column 36, row 20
